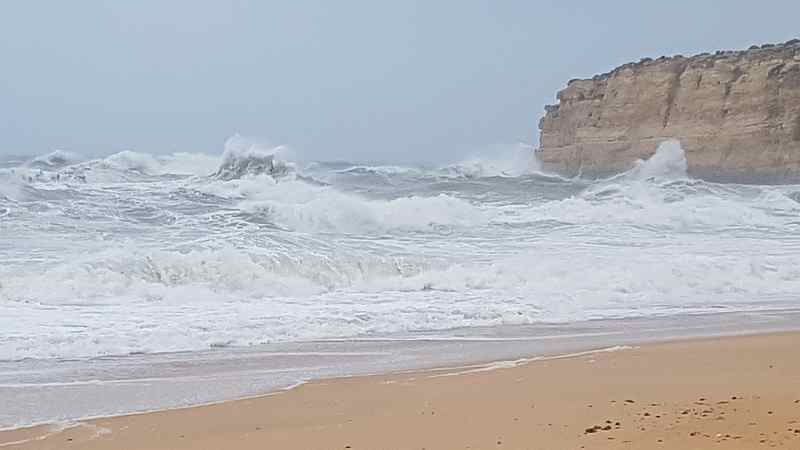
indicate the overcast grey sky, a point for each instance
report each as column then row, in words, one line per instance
column 369, row 80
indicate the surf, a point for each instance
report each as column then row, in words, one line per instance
column 251, row 246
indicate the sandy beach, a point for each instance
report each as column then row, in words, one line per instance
column 241, row 225
column 735, row 392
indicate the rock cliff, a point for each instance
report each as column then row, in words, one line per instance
column 736, row 114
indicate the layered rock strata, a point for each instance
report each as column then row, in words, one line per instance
column 736, row 114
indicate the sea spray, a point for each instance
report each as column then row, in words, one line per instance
column 669, row 161
column 243, row 158
column 507, row 161
column 138, row 253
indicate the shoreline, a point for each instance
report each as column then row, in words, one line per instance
column 97, row 432
column 113, row 387
column 484, row 366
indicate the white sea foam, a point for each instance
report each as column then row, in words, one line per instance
column 510, row 364
column 56, row 159
column 502, row 161
column 142, row 253
column 125, row 166
column 244, row 158
column 183, row 163
column 384, row 170
column 46, row 432
column 133, row 161
column 657, row 192
column 10, row 186
column 669, row 161
column 510, row 161
column 163, row 302
column 303, row 207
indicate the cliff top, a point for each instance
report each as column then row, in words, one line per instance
column 787, row 49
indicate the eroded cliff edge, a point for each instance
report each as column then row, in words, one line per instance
column 736, row 114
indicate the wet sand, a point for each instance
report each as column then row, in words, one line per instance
column 733, row 393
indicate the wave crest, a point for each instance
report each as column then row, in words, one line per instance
column 243, row 158
column 55, row 159
column 516, row 161
column 305, row 207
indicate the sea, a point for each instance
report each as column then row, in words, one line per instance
column 135, row 282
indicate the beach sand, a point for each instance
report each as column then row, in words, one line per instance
column 731, row 393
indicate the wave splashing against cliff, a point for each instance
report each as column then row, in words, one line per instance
column 669, row 161
column 657, row 193
column 145, row 253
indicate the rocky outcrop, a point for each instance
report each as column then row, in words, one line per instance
column 736, row 114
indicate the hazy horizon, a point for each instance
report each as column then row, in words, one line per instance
column 401, row 82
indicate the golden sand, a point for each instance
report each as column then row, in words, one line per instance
column 727, row 393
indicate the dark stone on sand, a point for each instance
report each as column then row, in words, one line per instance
column 596, row 428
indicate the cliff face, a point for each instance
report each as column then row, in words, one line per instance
column 736, row 114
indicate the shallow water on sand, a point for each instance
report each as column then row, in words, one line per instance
column 48, row 391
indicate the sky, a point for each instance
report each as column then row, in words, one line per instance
column 404, row 80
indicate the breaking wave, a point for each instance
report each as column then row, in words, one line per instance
column 516, row 161
column 243, row 158
column 55, row 160
column 507, row 162
column 668, row 162
column 143, row 253
column 304, row 208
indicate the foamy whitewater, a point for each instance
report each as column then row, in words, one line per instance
column 137, row 253
column 137, row 282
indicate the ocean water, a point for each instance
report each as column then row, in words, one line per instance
column 130, row 255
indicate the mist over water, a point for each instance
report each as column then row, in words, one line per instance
column 136, row 253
